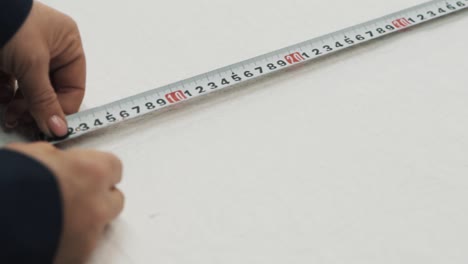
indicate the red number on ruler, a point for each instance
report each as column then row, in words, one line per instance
column 176, row 96
column 401, row 23
column 294, row 58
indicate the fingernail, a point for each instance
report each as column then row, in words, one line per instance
column 11, row 124
column 57, row 126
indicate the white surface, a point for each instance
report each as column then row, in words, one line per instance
column 358, row 158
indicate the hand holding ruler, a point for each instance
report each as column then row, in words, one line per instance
column 153, row 100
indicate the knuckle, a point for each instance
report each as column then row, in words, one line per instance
column 114, row 162
column 97, row 167
column 45, row 98
column 89, row 167
column 72, row 31
column 98, row 170
column 70, row 22
column 122, row 199
column 106, row 164
column 99, row 213
column 101, row 172
column 37, row 59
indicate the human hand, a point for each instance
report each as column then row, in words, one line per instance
column 46, row 58
column 87, row 181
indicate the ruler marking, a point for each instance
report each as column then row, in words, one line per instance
column 263, row 65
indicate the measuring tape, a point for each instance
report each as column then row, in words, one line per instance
column 100, row 117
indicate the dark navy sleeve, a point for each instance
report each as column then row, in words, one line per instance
column 12, row 15
column 31, row 214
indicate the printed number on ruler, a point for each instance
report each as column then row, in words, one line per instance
column 131, row 107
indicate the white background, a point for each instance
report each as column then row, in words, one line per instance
column 358, row 158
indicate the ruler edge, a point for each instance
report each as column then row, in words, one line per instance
column 152, row 91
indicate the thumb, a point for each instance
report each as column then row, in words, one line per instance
column 42, row 100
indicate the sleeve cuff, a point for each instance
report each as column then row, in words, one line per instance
column 13, row 13
column 31, row 204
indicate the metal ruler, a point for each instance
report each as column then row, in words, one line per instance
column 97, row 118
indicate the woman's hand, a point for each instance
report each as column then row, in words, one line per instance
column 87, row 180
column 46, row 58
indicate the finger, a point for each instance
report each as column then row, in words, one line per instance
column 7, row 87
column 111, row 164
column 68, row 73
column 116, row 203
column 17, row 108
column 116, row 167
column 17, row 111
column 102, row 164
column 42, row 100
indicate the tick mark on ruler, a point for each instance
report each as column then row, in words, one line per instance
column 270, row 62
